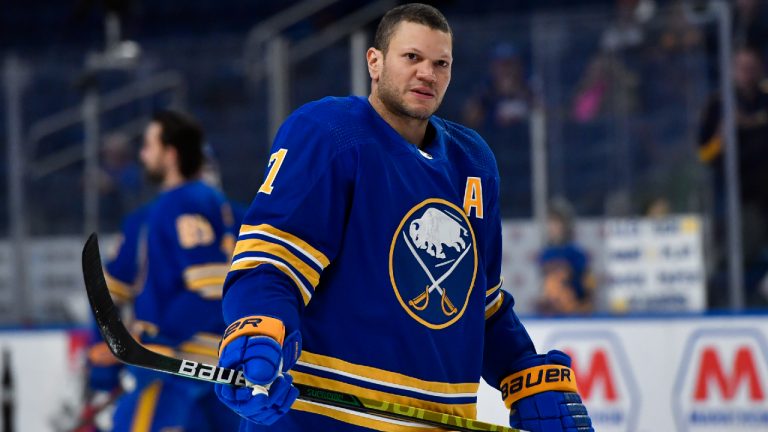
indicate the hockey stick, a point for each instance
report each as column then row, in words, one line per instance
column 128, row 350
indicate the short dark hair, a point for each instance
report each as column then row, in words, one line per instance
column 182, row 132
column 412, row 12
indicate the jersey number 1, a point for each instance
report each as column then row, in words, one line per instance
column 275, row 162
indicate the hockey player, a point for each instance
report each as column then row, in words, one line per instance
column 188, row 229
column 369, row 261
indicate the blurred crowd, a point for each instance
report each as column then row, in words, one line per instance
column 625, row 117
column 628, row 90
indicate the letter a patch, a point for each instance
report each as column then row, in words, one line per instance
column 473, row 197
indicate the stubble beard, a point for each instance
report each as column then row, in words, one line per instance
column 390, row 98
column 154, row 176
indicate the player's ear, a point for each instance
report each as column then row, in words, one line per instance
column 374, row 58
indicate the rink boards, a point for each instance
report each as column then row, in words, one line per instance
column 681, row 373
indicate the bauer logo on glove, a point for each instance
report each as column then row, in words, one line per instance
column 537, row 379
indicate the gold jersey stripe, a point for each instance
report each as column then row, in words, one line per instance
column 140, row 327
column 145, row 412
column 489, row 292
column 279, row 251
column 202, row 350
column 384, row 377
column 206, row 271
column 462, row 410
column 305, row 248
column 253, row 262
column 200, row 284
column 494, row 305
column 119, row 289
column 211, row 292
column 361, row 419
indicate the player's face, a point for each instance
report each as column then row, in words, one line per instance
column 416, row 70
column 153, row 153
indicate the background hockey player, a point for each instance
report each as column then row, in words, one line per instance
column 124, row 273
column 372, row 250
column 189, row 229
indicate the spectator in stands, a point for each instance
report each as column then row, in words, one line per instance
column 607, row 86
column 657, row 207
column 750, row 25
column 505, row 98
column 500, row 109
column 626, row 30
column 567, row 284
column 752, row 139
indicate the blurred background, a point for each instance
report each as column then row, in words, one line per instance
column 631, row 138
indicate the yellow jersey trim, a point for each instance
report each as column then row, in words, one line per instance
column 305, row 248
column 489, row 292
column 145, row 412
column 462, row 410
column 494, row 305
column 119, row 289
column 386, row 377
column 369, row 421
column 274, row 249
column 253, row 262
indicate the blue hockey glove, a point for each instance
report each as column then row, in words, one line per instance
column 542, row 395
column 255, row 346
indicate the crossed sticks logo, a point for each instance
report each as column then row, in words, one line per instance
column 433, row 262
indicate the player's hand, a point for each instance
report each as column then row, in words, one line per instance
column 256, row 349
column 556, row 410
column 103, row 368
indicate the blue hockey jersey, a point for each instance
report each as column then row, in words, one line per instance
column 386, row 256
column 125, row 268
column 189, row 243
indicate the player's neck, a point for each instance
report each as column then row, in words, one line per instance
column 411, row 129
column 173, row 178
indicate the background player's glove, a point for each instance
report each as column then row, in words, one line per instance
column 542, row 395
column 255, row 346
column 103, row 368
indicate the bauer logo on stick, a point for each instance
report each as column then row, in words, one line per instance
column 211, row 373
column 433, row 263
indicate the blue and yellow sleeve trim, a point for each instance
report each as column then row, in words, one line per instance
column 206, row 279
column 494, row 303
column 297, row 259
column 121, row 291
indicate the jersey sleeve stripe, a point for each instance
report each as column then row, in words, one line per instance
column 141, row 328
column 211, row 353
column 245, row 246
column 206, row 279
column 254, row 261
column 489, row 292
column 295, row 242
column 494, row 305
column 119, row 289
column 212, row 291
column 386, row 378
